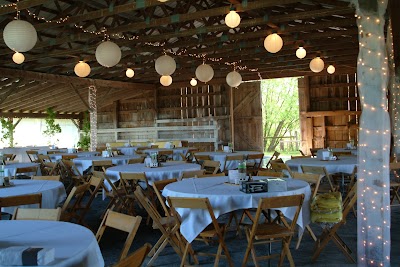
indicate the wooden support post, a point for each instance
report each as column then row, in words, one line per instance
column 374, row 144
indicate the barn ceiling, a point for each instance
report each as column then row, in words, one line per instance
column 191, row 31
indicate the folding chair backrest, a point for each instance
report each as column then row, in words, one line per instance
column 74, row 197
column 25, row 171
column 101, row 165
column 158, row 186
column 131, row 180
column 37, row 214
column 71, row 167
column 257, row 159
column 69, row 157
column 211, row 166
column 149, row 207
column 318, row 170
column 274, row 156
column 33, row 155
column 47, row 178
column 313, row 179
column 200, row 158
column 122, row 222
column 44, row 158
column 269, row 173
column 349, row 202
column 192, row 174
column 8, row 157
column 136, row 160
column 229, row 158
column 14, row 201
column 280, row 167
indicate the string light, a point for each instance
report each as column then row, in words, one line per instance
column 93, row 117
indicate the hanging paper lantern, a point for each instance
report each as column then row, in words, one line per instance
column 301, row 52
column 82, row 69
column 108, row 54
column 273, row 43
column 317, row 64
column 165, row 65
column 20, row 35
column 193, row 82
column 166, row 80
column 232, row 19
column 233, row 79
column 331, row 69
column 18, row 58
column 130, row 73
column 204, row 73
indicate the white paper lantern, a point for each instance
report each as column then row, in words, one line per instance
column 317, row 64
column 18, row 58
column 130, row 73
column 20, row 35
column 204, row 73
column 232, row 19
column 331, row 69
column 165, row 65
column 193, row 82
column 82, row 69
column 301, row 52
column 166, row 80
column 233, row 79
column 273, row 43
column 108, row 54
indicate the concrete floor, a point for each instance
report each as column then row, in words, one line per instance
column 331, row 256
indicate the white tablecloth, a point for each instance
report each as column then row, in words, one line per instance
column 83, row 163
column 167, row 171
column 225, row 198
column 10, row 169
column 176, row 151
column 53, row 192
column 20, row 152
column 342, row 165
column 74, row 245
column 339, row 150
column 58, row 156
column 45, row 151
column 221, row 157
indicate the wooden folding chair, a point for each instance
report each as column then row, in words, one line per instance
column 201, row 158
column 165, row 155
column 191, row 174
column 153, row 146
column 272, row 231
column 253, row 163
column 211, row 166
column 136, row 258
column 33, row 156
column 274, row 156
column 302, row 153
column 214, row 230
column 22, row 172
column 269, row 173
column 44, row 158
column 329, row 231
column 129, row 182
column 70, row 208
column 47, row 178
column 122, row 222
column 167, row 225
column 101, row 165
column 15, row 201
column 71, row 172
column 37, row 214
column 282, row 168
column 136, row 160
column 158, row 186
column 327, row 187
column 313, row 180
column 230, row 158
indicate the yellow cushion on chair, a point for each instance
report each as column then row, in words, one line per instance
column 327, row 208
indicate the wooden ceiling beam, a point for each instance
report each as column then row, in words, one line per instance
column 22, row 5
column 37, row 76
column 37, row 115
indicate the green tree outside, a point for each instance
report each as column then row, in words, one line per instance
column 280, row 103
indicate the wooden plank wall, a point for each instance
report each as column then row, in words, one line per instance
column 329, row 110
column 187, row 113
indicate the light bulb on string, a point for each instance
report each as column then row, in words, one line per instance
column 193, row 82
column 331, row 69
column 130, row 73
column 273, row 43
column 232, row 19
column 301, row 52
column 18, row 58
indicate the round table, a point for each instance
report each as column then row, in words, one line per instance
column 10, row 168
column 221, row 157
column 168, row 170
column 53, row 192
column 342, row 165
column 84, row 163
column 74, row 245
column 225, row 198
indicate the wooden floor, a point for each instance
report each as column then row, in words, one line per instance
column 112, row 243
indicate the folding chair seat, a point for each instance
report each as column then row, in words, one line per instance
column 325, row 186
column 37, row 214
column 273, row 231
column 167, row 225
column 329, row 231
column 211, row 166
column 15, row 201
column 253, row 163
column 136, row 258
column 25, row 172
column 191, row 174
column 122, row 222
column 214, row 231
